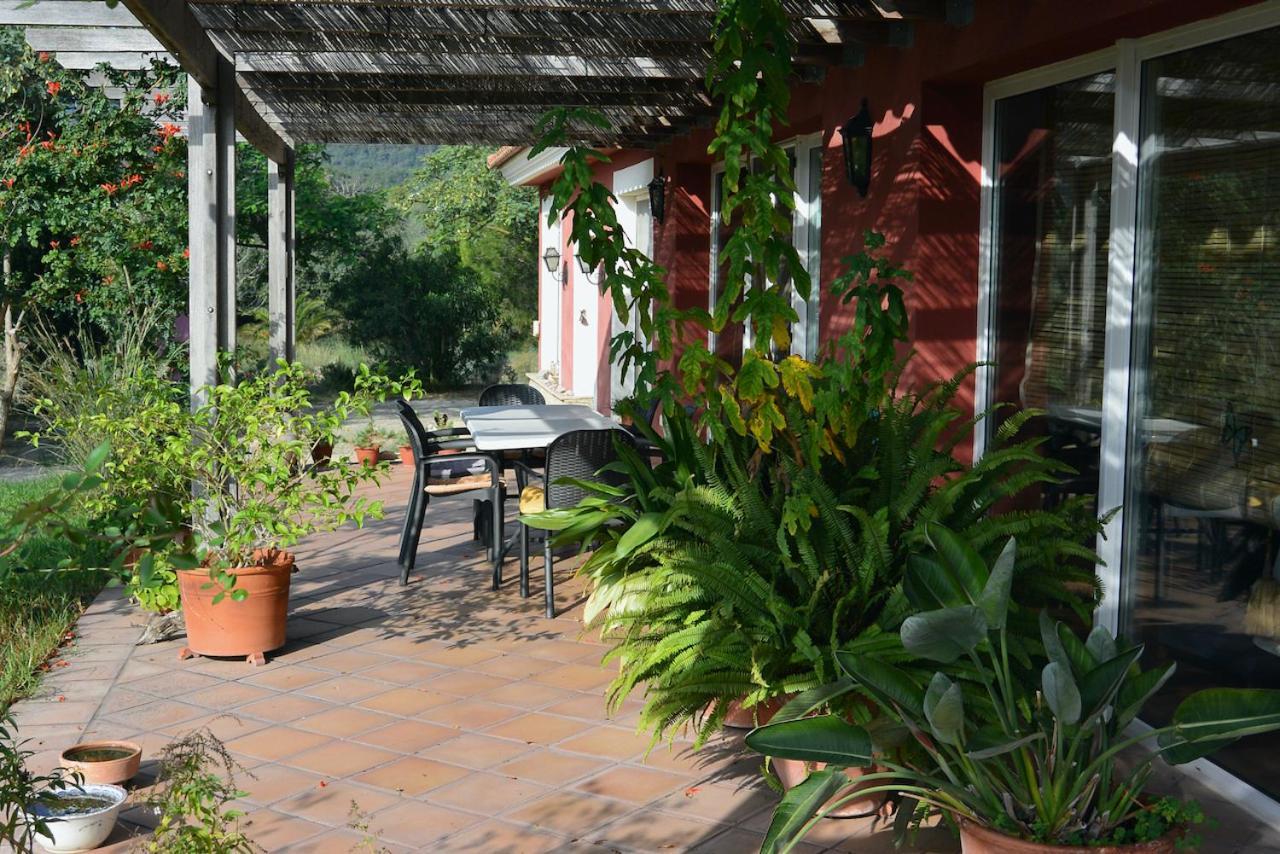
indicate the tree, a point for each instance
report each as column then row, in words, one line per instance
column 468, row 210
column 92, row 198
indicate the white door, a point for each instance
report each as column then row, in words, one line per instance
column 586, row 317
column 637, row 224
column 548, row 297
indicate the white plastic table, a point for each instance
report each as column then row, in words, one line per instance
column 518, row 428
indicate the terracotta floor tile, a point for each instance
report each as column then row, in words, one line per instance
column 497, row 792
column 272, row 830
column 343, row 722
column 228, row 695
column 407, row 736
column 573, row 813
column 405, row 701
column 288, row 677
column 609, row 742
column 551, row 767
column 413, row 775
column 340, row 758
column 332, row 804
column 469, row 714
column 577, row 677
column 513, row 666
column 272, row 782
column 344, row 689
column 538, row 728
column 496, row 837
column 646, row 831
column 463, row 683
column 223, row 725
column 283, row 708
column 476, row 751
column 419, row 825
column 348, row 661
column 717, row 802
column 528, row 695
column 402, row 672
column 627, row 783
column 341, row 842
column 588, row 707
column 452, row 656
column 157, row 714
column 277, row 742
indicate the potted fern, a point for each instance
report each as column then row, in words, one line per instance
column 1016, row 724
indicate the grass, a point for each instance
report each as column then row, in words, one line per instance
column 37, row 607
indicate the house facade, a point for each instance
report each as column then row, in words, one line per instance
column 1088, row 195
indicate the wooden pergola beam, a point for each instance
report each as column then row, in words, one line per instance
column 467, row 64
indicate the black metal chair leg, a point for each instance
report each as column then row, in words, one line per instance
column 408, row 520
column 411, row 560
column 499, row 500
column 524, row 561
column 547, row 582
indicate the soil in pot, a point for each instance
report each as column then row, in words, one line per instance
column 249, row 628
column 368, row 456
column 976, row 839
column 792, row 772
column 104, row 761
column 406, row 455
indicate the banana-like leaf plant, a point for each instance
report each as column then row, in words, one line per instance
column 1028, row 747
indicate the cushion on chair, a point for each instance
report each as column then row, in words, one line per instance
column 533, row 499
column 453, row 485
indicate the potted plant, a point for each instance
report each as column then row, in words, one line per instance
column 1015, row 726
column 252, row 503
column 368, row 445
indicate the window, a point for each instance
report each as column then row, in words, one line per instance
column 631, row 188
column 1130, row 288
column 805, row 154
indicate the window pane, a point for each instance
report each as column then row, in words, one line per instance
column 1051, row 212
column 1205, row 469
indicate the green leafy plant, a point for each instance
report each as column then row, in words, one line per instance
column 1017, row 725
column 20, row 790
column 191, row 799
column 371, row 437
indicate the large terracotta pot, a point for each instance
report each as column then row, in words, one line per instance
column 740, row 717
column 792, row 772
column 248, row 628
column 976, row 839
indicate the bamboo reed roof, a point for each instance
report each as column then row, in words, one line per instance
column 445, row 71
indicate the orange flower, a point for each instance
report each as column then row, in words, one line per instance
column 54, row 87
column 79, row 296
column 109, row 188
column 186, row 252
column 55, row 244
column 8, row 182
column 75, row 240
column 162, row 98
column 169, row 130
column 43, row 56
column 146, row 244
column 161, row 266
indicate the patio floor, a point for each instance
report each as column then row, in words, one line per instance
column 439, row 717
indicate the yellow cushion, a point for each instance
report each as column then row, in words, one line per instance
column 532, row 500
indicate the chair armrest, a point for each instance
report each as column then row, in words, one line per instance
column 490, row 464
column 524, row 474
column 448, row 431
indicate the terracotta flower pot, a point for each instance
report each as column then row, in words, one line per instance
column 322, row 453
column 406, row 456
column 792, row 772
column 739, row 717
column 368, row 456
column 976, row 839
column 248, row 628
column 109, row 762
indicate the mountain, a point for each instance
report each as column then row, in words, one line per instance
column 357, row 168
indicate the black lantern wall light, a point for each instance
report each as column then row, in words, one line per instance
column 658, row 197
column 855, row 138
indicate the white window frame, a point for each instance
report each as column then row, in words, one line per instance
column 1126, row 57
column 805, row 334
column 631, row 189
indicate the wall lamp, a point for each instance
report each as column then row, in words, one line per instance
column 855, row 138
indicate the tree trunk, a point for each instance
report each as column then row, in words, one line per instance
column 12, row 354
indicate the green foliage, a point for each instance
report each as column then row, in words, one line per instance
column 91, row 192
column 1018, row 727
column 192, row 798
column 360, row 168
column 20, row 790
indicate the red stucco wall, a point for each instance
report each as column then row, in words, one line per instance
column 924, row 196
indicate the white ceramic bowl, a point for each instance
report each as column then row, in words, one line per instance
column 85, row 831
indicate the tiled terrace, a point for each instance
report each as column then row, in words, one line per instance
column 451, row 717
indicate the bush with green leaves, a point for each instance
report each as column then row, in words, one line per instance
column 1011, row 721
column 192, row 799
column 728, row 573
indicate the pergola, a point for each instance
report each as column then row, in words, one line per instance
column 442, row 71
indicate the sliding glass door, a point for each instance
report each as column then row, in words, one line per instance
column 1131, row 287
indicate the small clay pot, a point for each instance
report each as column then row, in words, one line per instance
column 406, row 455
column 740, row 717
column 368, row 456
column 793, row 772
column 106, row 762
column 976, row 839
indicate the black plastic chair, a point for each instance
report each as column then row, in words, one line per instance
column 579, row 454
column 428, row 461
column 512, row 394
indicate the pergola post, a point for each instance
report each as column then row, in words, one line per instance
column 211, row 307
column 281, row 292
